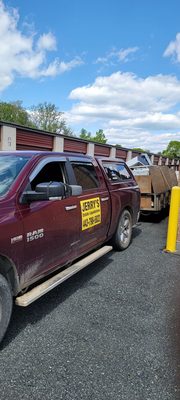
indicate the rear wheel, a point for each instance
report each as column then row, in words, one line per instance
column 123, row 234
column 5, row 305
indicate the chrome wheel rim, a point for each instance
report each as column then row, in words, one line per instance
column 125, row 229
column 0, row 309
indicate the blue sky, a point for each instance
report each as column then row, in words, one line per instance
column 113, row 65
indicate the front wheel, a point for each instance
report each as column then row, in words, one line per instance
column 5, row 306
column 123, row 234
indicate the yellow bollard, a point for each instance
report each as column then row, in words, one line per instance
column 173, row 219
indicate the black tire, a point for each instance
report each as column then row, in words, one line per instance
column 123, row 234
column 5, row 306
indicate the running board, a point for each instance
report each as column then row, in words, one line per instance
column 38, row 291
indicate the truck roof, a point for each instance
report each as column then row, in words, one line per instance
column 33, row 153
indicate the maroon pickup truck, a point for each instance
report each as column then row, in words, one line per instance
column 56, row 212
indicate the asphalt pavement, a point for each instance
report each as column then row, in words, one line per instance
column 112, row 332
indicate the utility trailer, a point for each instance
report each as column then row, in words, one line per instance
column 155, row 183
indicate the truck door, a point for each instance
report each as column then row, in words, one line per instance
column 94, row 204
column 50, row 227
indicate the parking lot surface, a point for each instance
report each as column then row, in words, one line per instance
column 111, row 332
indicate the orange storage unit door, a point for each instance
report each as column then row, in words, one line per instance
column 75, row 146
column 100, row 150
column 28, row 140
column 120, row 153
column 156, row 160
column 135, row 154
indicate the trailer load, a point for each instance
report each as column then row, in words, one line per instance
column 155, row 183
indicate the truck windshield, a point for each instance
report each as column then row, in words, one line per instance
column 10, row 167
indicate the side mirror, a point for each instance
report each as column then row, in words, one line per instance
column 44, row 191
column 51, row 189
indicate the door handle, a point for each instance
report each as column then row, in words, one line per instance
column 104, row 198
column 69, row 208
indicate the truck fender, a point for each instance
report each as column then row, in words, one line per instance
column 121, row 211
column 8, row 270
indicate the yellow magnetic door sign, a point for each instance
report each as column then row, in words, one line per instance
column 90, row 212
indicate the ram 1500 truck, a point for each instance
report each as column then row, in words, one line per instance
column 58, row 213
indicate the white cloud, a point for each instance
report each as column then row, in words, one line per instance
column 59, row 67
column 133, row 111
column 116, row 56
column 123, row 54
column 173, row 49
column 140, row 138
column 46, row 42
column 26, row 54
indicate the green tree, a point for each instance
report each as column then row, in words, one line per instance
column 15, row 112
column 100, row 137
column 65, row 129
column 84, row 134
column 173, row 149
column 47, row 117
column 140, row 150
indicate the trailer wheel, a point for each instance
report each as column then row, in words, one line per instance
column 123, row 234
column 5, row 306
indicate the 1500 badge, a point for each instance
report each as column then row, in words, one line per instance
column 34, row 235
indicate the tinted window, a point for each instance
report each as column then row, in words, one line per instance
column 116, row 172
column 51, row 172
column 10, row 167
column 85, row 174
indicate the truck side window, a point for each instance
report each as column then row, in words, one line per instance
column 10, row 167
column 85, row 174
column 116, row 172
column 51, row 172
column 124, row 174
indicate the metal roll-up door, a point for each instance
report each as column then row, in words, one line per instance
column 75, row 146
column 27, row 140
column 120, row 153
column 156, row 160
column 100, row 150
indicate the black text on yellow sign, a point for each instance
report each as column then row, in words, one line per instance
column 90, row 212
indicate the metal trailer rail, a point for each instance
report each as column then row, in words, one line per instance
column 159, row 201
